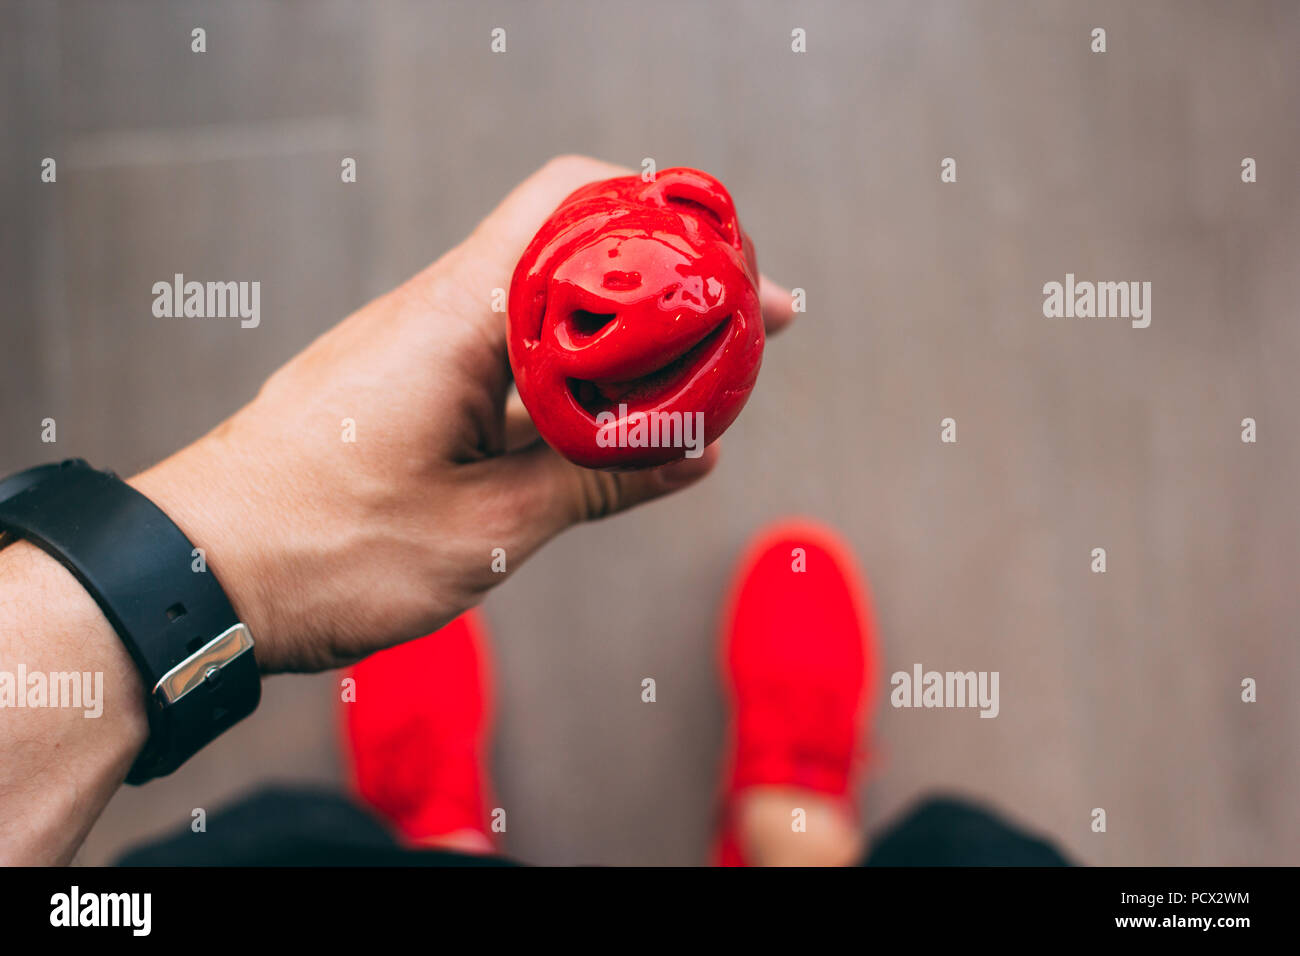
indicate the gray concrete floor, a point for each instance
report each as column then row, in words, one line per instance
column 1118, row 691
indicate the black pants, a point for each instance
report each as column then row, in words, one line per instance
column 298, row 827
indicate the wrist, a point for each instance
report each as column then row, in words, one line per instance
column 205, row 490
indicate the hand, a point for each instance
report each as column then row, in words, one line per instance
column 331, row 550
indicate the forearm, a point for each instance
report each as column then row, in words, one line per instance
column 60, row 764
column 72, row 712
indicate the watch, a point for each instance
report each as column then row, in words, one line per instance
column 194, row 655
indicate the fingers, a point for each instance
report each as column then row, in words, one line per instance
column 509, row 228
column 512, row 225
column 496, row 245
column 553, row 493
column 488, row 258
column 778, row 307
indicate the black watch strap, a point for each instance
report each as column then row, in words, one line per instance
column 194, row 655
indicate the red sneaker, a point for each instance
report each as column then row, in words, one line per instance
column 415, row 735
column 799, row 661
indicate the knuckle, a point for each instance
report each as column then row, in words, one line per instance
column 602, row 493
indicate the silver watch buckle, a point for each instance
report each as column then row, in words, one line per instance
column 204, row 665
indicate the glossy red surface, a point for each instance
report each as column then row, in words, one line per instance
column 635, row 297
